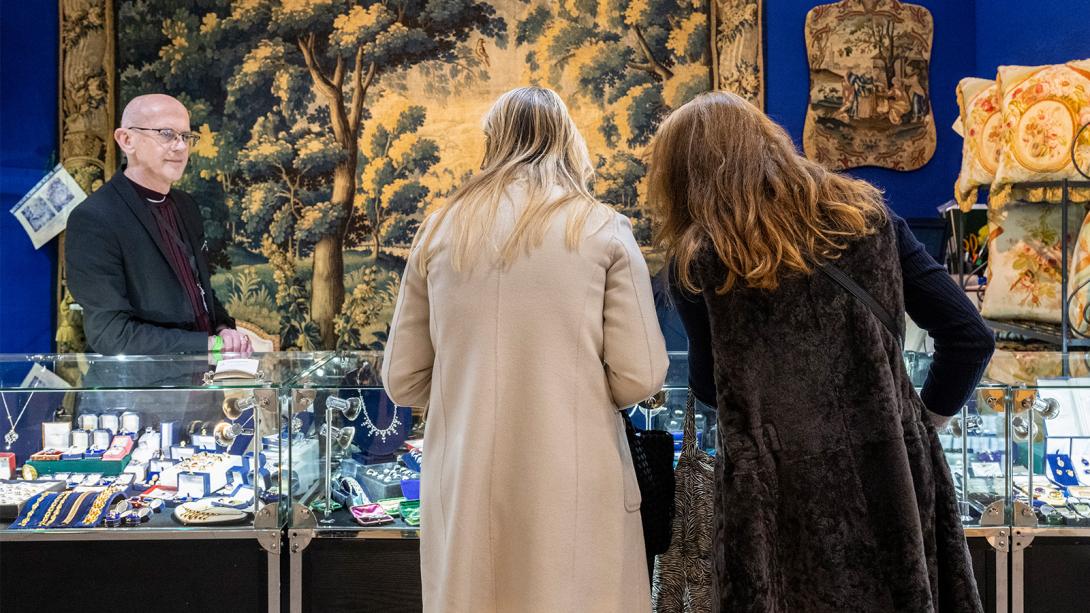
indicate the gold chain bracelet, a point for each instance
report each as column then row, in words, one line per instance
column 33, row 508
column 98, row 506
column 75, row 509
column 54, row 510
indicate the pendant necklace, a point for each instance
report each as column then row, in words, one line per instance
column 12, row 436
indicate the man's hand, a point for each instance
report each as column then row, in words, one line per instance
column 233, row 341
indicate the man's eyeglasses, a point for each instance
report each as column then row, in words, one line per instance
column 167, row 136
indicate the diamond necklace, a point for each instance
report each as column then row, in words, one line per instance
column 12, row 435
column 374, row 430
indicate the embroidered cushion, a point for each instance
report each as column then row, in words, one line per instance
column 981, row 125
column 1043, row 108
column 1024, row 261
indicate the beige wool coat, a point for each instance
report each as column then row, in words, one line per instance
column 529, row 501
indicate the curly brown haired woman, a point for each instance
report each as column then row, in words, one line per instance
column 834, row 494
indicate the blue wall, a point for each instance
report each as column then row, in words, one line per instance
column 911, row 194
column 28, row 144
column 1010, row 32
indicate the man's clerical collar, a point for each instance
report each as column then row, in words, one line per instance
column 150, row 195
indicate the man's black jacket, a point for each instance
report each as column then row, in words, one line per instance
column 118, row 271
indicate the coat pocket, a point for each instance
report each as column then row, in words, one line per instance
column 632, row 498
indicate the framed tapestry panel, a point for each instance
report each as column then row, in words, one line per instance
column 870, row 100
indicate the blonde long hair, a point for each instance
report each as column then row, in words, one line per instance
column 722, row 174
column 528, row 135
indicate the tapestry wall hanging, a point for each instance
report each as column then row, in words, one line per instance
column 331, row 127
column 737, row 55
column 870, row 101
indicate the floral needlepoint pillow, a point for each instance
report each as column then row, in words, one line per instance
column 1024, row 261
column 1043, row 109
column 1078, row 285
column 981, row 125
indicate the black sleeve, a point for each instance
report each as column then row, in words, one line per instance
column 96, row 278
column 963, row 343
column 694, row 316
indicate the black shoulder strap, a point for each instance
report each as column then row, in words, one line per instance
column 843, row 280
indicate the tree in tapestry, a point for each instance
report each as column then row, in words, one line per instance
column 331, row 127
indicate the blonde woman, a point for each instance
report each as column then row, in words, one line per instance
column 833, row 491
column 525, row 322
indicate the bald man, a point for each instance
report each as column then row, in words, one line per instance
column 135, row 256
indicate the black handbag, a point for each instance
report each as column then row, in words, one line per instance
column 653, row 459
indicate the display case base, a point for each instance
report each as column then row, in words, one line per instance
column 358, row 575
column 235, row 575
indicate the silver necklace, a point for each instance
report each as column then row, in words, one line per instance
column 12, row 436
column 374, row 430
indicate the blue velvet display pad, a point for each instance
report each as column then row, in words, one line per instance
column 35, row 508
column 410, row 489
column 1060, row 469
column 380, row 413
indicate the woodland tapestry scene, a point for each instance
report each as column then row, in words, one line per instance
column 331, row 127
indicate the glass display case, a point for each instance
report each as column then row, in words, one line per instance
column 144, row 449
column 354, row 456
column 1048, row 450
column 181, row 447
column 974, row 443
column 140, row 443
column 355, row 463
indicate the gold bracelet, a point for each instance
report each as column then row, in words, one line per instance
column 98, row 506
column 54, row 510
column 75, row 509
column 33, row 508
